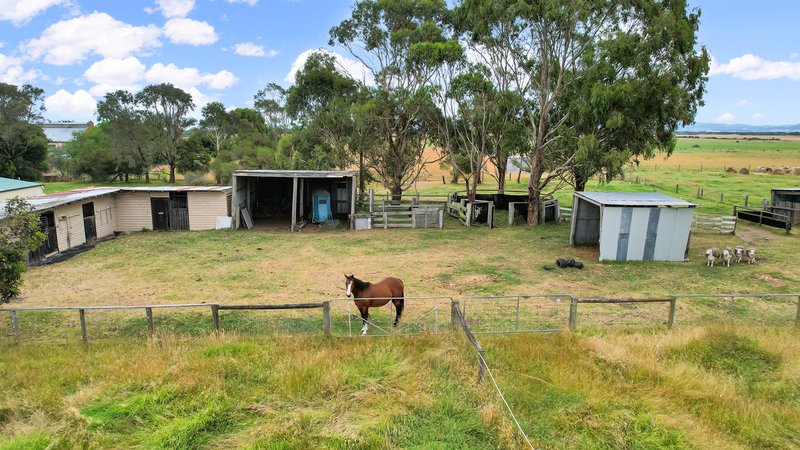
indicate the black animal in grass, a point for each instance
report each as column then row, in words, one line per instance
column 366, row 295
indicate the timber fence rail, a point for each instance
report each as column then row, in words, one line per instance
column 523, row 313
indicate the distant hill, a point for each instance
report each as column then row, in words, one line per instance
column 705, row 127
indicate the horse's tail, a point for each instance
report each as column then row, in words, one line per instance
column 399, row 302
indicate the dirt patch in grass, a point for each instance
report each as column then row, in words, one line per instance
column 774, row 282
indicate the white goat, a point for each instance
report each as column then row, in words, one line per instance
column 727, row 256
column 739, row 253
column 751, row 256
column 712, row 254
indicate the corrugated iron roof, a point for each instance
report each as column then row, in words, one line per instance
column 10, row 184
column 793, row 189
column 296, row 173
column 54, row 200
column 633, row 199
column 178, row 189
column 62, row 132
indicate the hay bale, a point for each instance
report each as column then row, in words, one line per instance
column 730, row 170
column 778, row 171
column 744, row 171
column 768, row 170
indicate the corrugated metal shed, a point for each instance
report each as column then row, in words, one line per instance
column 632, row 226
column 179, row 189
column 54, row 200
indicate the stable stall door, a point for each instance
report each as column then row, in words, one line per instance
column 89, row 226
column 160, row 208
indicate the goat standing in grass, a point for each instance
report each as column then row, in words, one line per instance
column 727, row 256
column 712, row 254
column 739, row 253
column 751, row 256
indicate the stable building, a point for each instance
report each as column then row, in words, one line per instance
column 10, row 188
column 632, row 226
column 73, row 218
column 786, row 202
column 292, row 198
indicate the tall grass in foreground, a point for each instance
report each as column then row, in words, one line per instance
column 230, row 392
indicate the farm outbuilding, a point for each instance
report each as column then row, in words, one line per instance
column 72, row 218
column 10, row 188
column 292, row 198
column 632, row 226
column 786, row 201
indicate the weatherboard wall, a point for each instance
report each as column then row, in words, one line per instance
column 205, row 207
column 134, row 212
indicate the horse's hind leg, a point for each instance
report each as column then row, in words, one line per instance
column 364, row 319
column 398, row 306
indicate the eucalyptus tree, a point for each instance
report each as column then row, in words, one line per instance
column 400, row 44
column 23, row 145
column 551, row 46
column 126, row 132
column 166, row 110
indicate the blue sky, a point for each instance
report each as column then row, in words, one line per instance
column 226, row 50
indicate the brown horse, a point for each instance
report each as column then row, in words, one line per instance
column 368, row 294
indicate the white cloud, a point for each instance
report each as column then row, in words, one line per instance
column 743, row 102
column 354, row 68
column 188, row 31
column 19, row 12
column 12, row 72
column 751, row 67
column 78, row 106
column 727, row 117
column 249, row 2
column 175, row 8
column 249, row 49
column 189, row 77
column 70, row 41
column 759, row 116
column 794, row 55
column 112, row 74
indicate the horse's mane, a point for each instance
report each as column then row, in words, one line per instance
column 360, row 285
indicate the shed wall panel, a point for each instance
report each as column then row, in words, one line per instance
column 204, row 208
column 33, row 191
column 638, row 234
column 609, row 233
column 666, row 225
column 105, row 215
column 69, row 226
column 134, row 212
column 680, row 234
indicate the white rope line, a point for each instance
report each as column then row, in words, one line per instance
column 503, row 397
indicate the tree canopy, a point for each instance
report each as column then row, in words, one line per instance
column 23, row 145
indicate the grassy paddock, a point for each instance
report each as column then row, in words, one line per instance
column 696, row 387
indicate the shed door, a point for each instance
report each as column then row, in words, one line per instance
column 47, row 221
column 160, row 208
column 178, row 211
column 89, row 227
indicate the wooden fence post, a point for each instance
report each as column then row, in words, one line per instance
column 746, row 199
column 453, row 314
column 326, row 317
column 150, row 326
column 82, row 315
column 573, row 313
column 722, row 197
column 371, row 200
column 385, row 219
column 215, row 318
column 671, row 319
column 676, row 188
column 441, row 218
column 413, row 218
column 15, row 327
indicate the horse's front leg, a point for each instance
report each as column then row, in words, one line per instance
column 364, row 319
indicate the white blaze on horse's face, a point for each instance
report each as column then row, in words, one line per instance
column 349, row 288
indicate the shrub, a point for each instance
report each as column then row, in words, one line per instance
column 20, row 234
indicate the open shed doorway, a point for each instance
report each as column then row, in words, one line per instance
column 285, row 199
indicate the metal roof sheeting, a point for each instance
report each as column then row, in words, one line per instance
column 794, row 189
column 62, row 132
column 179, row 189
column 634, row 199
column 9, row 184
column 296, row 173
